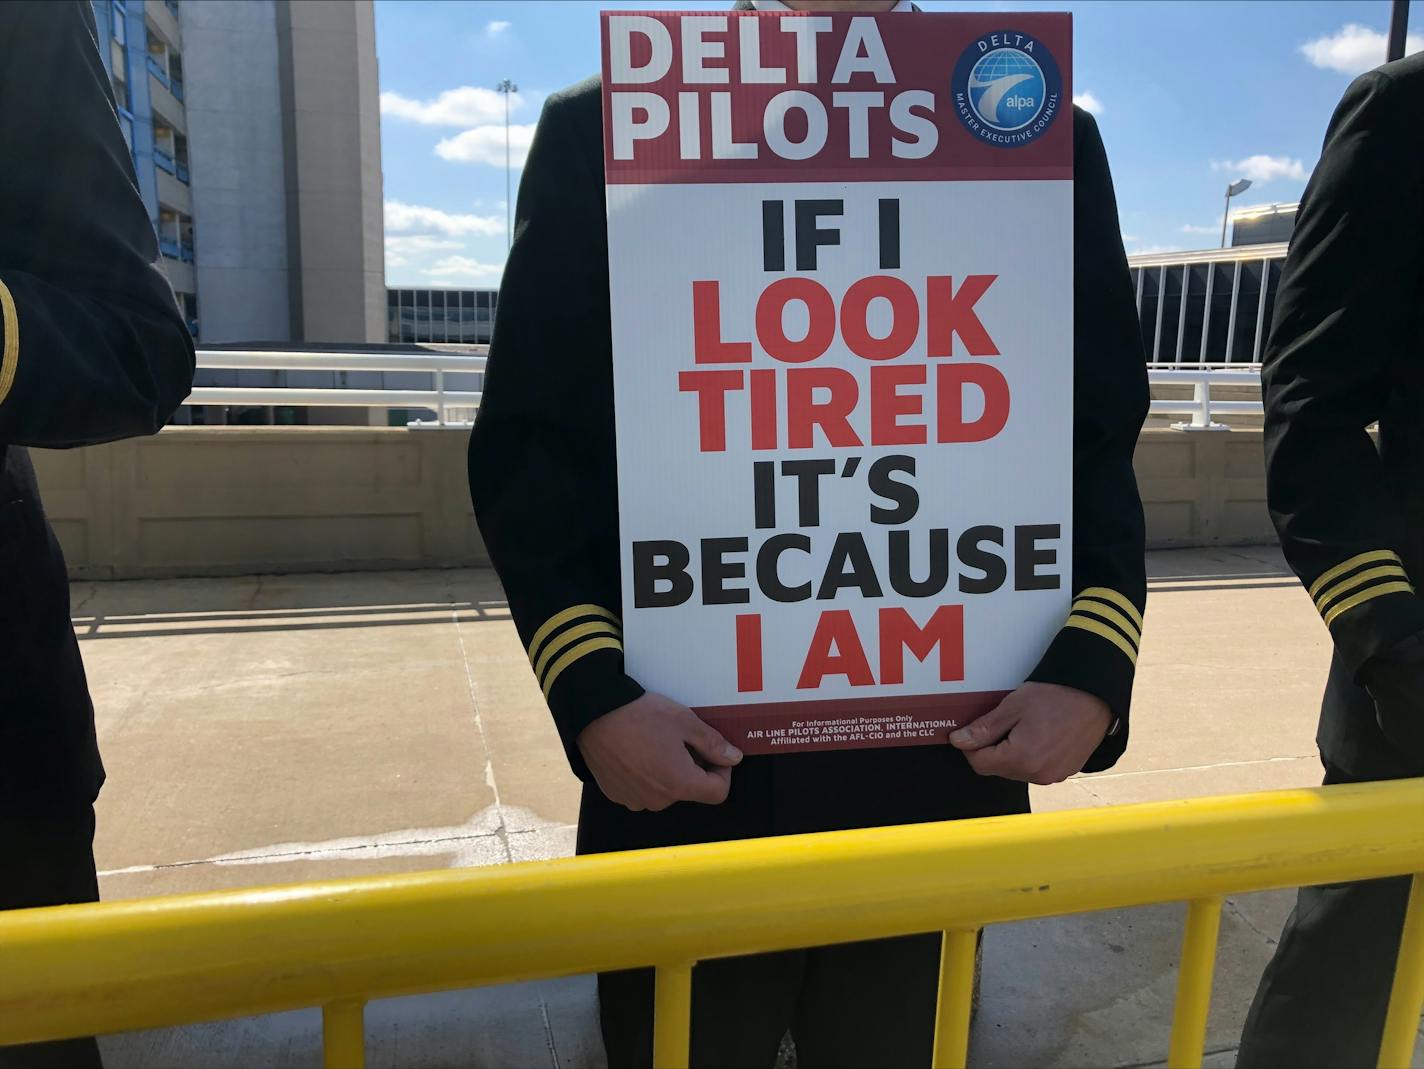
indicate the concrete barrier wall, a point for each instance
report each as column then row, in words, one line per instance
column 1203, row 488
column 237, row 500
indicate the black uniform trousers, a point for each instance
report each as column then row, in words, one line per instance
column 48, row 860
column 50, row 771
column 1323, row 997
column 858, row 1004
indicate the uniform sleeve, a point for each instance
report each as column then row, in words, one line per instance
column 92, row 345
column 1096, row 650
column 542, row 464
column 1340, row 324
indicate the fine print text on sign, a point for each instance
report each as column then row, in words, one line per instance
column 840, row 256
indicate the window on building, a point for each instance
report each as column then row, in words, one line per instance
column 164, row 145
column 158, row 52
column 393, row 315
column 169, row 232
column 483, row 317
column 1273, row 282
column 119, row 57
column 1147, row 282
column 185, row 238
column 407, row 315
column 1248, row 311
column 175, row 74
column 422, row 315
column 468, row 329
column 1171, row 296
column 1223, row 278
column 120, row 85
column 439, row 318
column 180, row 157
column 1194, row 312
column 190, row 312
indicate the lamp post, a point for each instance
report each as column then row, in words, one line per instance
column 1241, row 185
column 507, row 87
column 1398, row 30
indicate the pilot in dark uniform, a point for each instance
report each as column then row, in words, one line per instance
column 92, row 348
column 543, row 480
column 1347, row 351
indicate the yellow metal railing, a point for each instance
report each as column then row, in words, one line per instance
column 73, row 970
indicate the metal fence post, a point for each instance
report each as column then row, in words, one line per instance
column 1407, row 997
column 672, row 1016
column 343, row 1035
column 1201, row 412
column 956, row 998
column 1194, row 983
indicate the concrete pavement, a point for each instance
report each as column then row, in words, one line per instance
column 263, row 730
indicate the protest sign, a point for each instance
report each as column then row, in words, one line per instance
column 840, row 258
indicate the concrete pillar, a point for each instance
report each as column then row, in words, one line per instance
column 331, row 139
column 235, row 146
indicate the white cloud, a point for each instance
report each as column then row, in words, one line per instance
column 1193, row 228
column 458, row 270
column 419, row 218
column 400, row 248
column 1148, row 250
column 469, row 105
column 1354, row 49
column 496, row 28
column 485, row 144
column 1263, row 168
column 1088, row 102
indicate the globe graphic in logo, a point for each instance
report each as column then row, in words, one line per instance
column 1007, row 89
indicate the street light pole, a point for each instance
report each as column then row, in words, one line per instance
column 1241, row 185
column 507, row 87
column 1398, row 30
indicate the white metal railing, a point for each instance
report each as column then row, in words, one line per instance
column 1200, row 407
column 437, row 364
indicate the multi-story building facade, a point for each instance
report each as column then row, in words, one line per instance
column 447, row 316
column 1263, row 224
column 140, row 47
column 255, row 132
column 1208, row 308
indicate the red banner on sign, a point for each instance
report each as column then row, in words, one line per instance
column 751, row 96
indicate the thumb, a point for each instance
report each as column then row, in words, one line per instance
column 707, row 742
column 710, row 786
column 989, row 728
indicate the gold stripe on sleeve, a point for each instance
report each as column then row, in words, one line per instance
column 9, row 342
column 560, row 618
column 565, row 639
column 1349, row 565
column 1102, row 630
column 1356, row 600
column 583, row 649
column 1102, row 593
column 1098, row 609
column 1359, row 579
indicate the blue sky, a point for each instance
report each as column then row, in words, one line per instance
column 1189, row 95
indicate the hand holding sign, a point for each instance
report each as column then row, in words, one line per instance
column 653, row 752
column 1041, row 733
